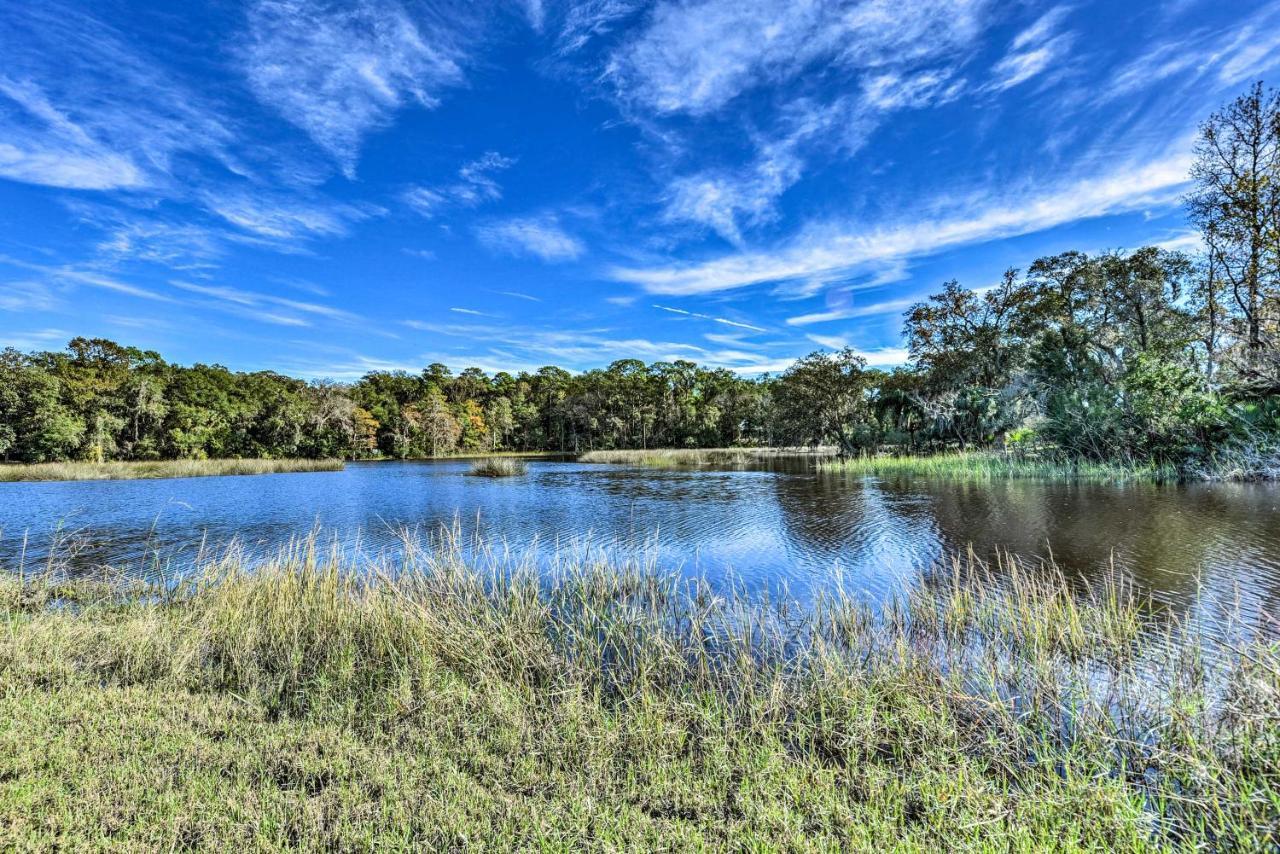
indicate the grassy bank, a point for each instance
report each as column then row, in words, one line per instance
column 499, row 467
column 678, row 457
column 159, row 469
column 984, row 465
column 444, row 705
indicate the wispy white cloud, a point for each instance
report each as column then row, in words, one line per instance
column 130, row 234
column 107, row 283
column 850, row 311
column 27, row 295
column 64, row 120
column 591, row 19
column 55, row 151
column 477, row 183
column 724, row 199
column 766, row 366
column 474, row 186
column 891, row 90
column 831, row 342
column 90, row 278
column 833, row 250
column 541, row 236
column 820, row 317
column 1017, row 68
column 724, row 320
column 739, row 324
column 512, row 347
column 424, row 200
column 303, row 285
column 535, row 13
column 339, row 71
column 899, row 58
column 175, row 245
column 1252, row 49
column 1151, row 68
column 196, row 244
column 285, row 219
column 515, row 346
column 885, row 357
column 1033, row 51
column 82, row 107
column 1184, row 241
column 39, row 339
column 1204, row 62
column 727, row 199
column 736, row 340
column 250, row 299
column 470, row 311
column 696, row 57
column 264, row 308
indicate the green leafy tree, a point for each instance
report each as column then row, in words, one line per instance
column 824, row 398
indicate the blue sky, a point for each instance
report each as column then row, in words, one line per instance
column 327, row 188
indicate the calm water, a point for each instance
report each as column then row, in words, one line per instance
column 782, row 523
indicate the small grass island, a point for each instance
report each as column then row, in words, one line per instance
column 499, row 467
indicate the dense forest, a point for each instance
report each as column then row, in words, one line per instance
column 1142, row 356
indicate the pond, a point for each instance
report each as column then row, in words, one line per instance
column 782, row 522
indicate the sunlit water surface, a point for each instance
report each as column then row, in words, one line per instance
column 780, row 524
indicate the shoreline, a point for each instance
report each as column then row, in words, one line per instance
column 952, row 465
column 994, row 465
column 982, row 465
column 158, row 469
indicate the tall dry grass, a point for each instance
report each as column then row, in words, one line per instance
column 989, row 465
column 159, row 469
column 677, row 457
column 1049, row 693
column 499, row 467
column 1042, row 685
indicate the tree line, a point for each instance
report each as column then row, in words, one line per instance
column 99, row 400
column 1144, row 356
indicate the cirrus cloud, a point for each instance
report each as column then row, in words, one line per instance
column 696, row 57
column 830, row 251
column 340, row 71
column 541, row 236
column 62, row 121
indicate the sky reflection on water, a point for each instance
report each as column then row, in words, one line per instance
column 782, row 523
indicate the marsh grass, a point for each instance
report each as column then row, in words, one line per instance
column 680, row 457
column 159, row 469
column 478, row 702
column 499, row 467
column 986, row 465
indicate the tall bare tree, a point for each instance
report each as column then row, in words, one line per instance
column 1236, row 204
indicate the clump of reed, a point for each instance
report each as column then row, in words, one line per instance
column 988, row 704
column 1256, row 457
column 159, row 469
column 990, row 465
column 499, row 467
column 679, row 457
